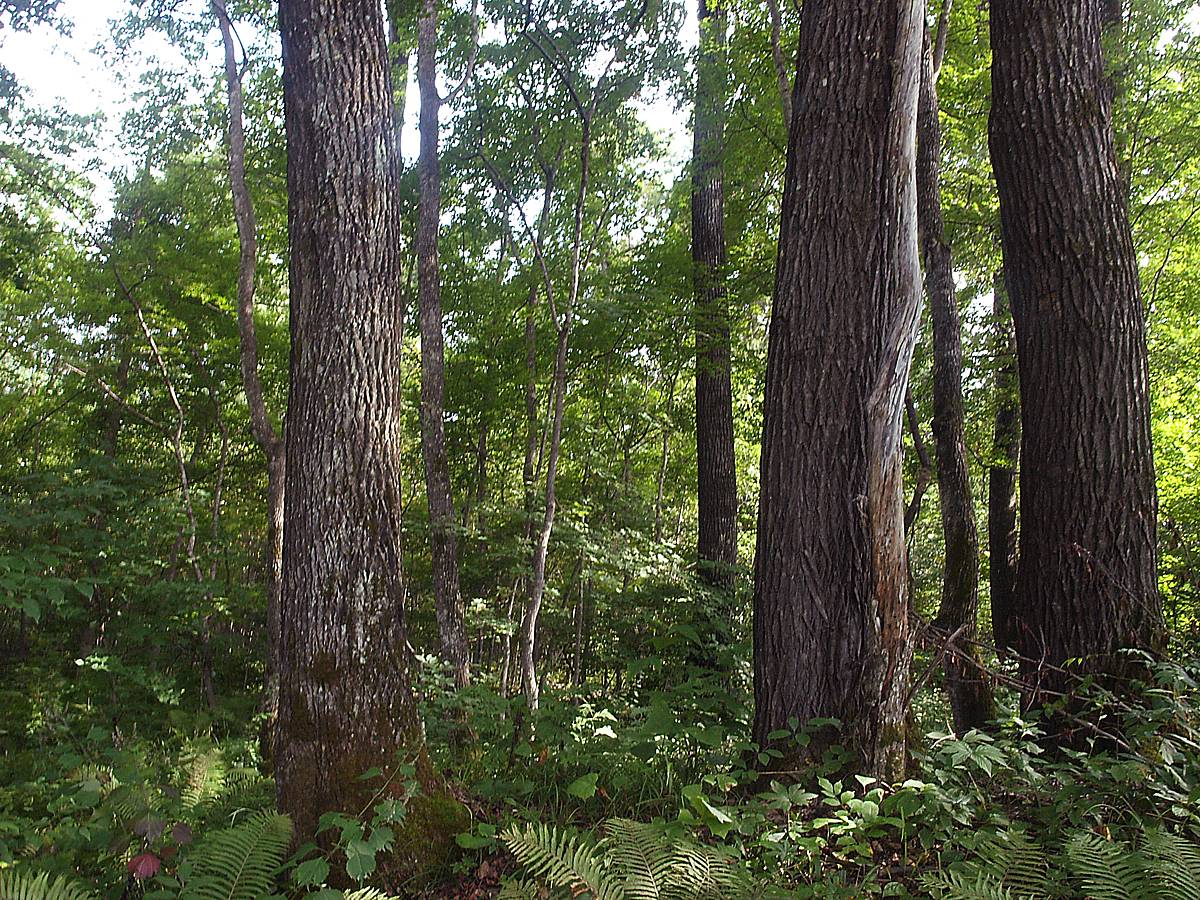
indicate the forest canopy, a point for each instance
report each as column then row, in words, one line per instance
column 609, row 448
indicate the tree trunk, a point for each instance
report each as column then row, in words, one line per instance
column 912, row 512
column 451, row 616
column 346, row 700
column 716, row 474
column 1002, row 478
column 1087, row 573
column 956, row 625
column 261, row 427
column 537, row 581
column 781, row 69
column 830, row 594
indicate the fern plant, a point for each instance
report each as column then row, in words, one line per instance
column 204, row 772
column 238, row 863
column 16, row 885
column 1010, row 866
column 1165, row 867
column 634, row 861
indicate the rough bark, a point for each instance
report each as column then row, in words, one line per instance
column 966, row 681
column 260, row 420
column 443, row 542
column 830, row 594
column 346, row 701
column 716, row 475
column 1002, row 477
column 1087, row 573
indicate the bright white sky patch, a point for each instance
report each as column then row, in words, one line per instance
column 76, row 73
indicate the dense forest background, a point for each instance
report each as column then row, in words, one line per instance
column 565, row 397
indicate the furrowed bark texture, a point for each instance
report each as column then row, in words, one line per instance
column 830, row 598
column 1087, row 574
column 966, row 682
column 1002, row 477
column 451, row 616
column 346, row 701
column 716, row 472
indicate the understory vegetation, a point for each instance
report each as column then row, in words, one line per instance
column 649, row 790
column 585, row 448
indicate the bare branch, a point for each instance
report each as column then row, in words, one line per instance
column 939, row 44
column 471, row 59
column 781, row 72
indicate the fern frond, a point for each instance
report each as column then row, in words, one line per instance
column 518, row 889
column 204, row 776
column 973, row 885
column 127, row 803
column 368, row 893
column 1018, row 863
column 702, row 872
column 1006, row 866
column 240, row 863
column 1109, row 871
column 16, row 885
column 641, row 857
column 1174, row 864
column 561, row 859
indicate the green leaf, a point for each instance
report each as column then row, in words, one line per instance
column 469, row 841
column 381, row 838
column 584, row 787
column 360, row 860
column 311, row 872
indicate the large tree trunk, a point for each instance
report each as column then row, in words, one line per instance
column 346, row 701
column 830, row 593
column 1002, row 478
column 1087, row 573
column 716, row 474
column 451, row 617
column 956, row 625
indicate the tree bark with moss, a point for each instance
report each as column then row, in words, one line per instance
column 346, row 699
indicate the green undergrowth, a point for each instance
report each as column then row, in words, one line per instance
column 653, row 789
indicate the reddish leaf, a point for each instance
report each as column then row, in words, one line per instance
column 145, row 865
